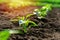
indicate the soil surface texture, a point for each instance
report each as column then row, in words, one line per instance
column 47, row 29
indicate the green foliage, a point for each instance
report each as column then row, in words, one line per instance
column 4, row 35
column 24, row 23
column 41, row 13
column 54, row 3
column 29, row 15
column 50, row 1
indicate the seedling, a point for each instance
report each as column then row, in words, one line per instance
column 24, row 22
column 41, row 13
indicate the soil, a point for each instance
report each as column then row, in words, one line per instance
column 47, row 29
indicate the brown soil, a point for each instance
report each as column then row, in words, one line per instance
column 47, row 29
column 13, row 12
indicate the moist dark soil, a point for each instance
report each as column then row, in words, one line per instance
column 47, row 29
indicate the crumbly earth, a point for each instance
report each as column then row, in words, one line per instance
column 20, row 11
column 47, row 29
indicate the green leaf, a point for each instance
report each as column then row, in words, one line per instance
column 41, row 13
column 24, row 27
column 4, row 35
column 29, row 15
column 33, row 23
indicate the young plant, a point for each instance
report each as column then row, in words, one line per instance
column 41, row 13
column 24, row 23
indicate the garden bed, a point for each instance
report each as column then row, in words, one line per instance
column 48, row 28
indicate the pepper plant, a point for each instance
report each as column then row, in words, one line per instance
column 41, row 13
column 24, row 22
